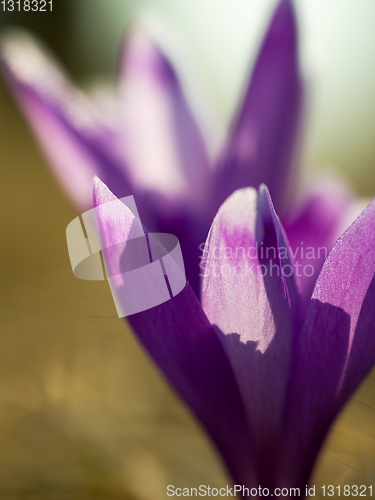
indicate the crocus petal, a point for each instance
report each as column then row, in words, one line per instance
column 190, row 228
column 314, row 227
column 164, row 148
column 253, row 306
column 261, row 142
column 182, row 342
column 336, row 347
column 76, row 142
column 161, row 139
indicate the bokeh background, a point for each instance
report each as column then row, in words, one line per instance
column 84, row 414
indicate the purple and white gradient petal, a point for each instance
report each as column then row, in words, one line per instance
column 336, row 347
column 253, row 306
column 261, row 145
column 160, row 137
column 67, row 125
column 180, row 339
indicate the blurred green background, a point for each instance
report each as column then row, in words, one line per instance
column 84, row 414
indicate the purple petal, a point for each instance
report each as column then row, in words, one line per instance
column 164, row 147
column 190, row 228
column 314, row 227
column 253, row 307
column 336, row 348
column 76, row 142
column 182, row 342
column 261, row 144
column 161, row 139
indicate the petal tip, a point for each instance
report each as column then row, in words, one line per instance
column 284, row 24
column 101, row 192
column 263, row 190
column 26, row 58
column 142, row 55
column 264, row 200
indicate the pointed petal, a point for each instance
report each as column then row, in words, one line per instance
column 76, row 142
column 161, row 139
column 336, row 348
column 261, row 143
column 182, row 342
column 253, row 306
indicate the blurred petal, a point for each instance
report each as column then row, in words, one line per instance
column 336, row 348
column 253, row 307
column 314, row 227
column 190, row 228
column 161, row 139
column 261, row 143
column 76, row 142
column 182, row 342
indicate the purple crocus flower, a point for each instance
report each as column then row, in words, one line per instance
column 153, row 147
column 265, row 365
column 264, row 376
